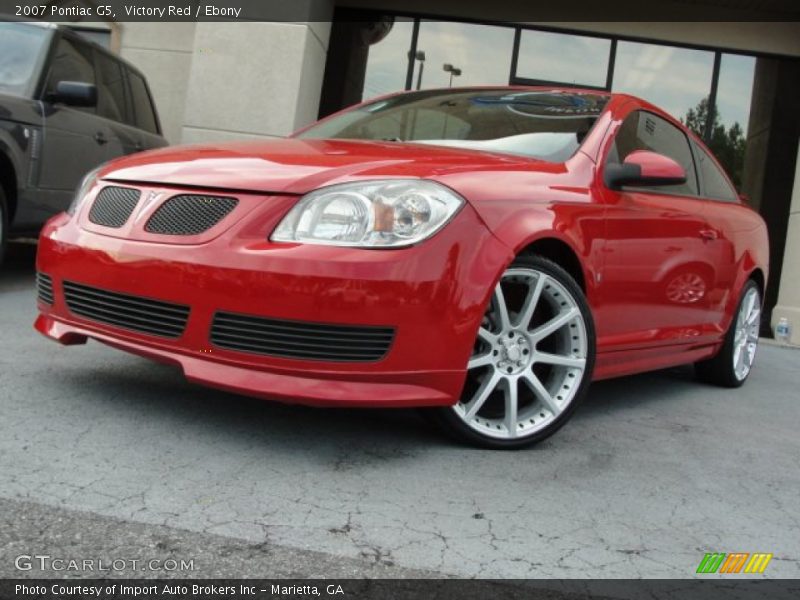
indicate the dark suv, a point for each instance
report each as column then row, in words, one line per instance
column 66, row 105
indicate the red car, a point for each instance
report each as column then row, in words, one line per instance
column 485, row 253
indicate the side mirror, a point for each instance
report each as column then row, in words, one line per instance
column 643, row 168
column 75, row 93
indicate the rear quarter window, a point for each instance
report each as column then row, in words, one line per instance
column 715, row 184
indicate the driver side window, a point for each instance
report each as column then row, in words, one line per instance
column 72, row 62
column 645, row 131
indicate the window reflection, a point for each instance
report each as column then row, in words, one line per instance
column 387, row 62
column 481, row 52
column 727, row 137
column 735, row 89
column 675, row 79
column 558, row 57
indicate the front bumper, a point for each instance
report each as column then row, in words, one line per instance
column 432, row 294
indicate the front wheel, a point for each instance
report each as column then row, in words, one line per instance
column 532, row 360
column 732, row 364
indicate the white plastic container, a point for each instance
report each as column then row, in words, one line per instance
column 783, row 331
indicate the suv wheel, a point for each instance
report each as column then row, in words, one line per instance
column 531, row 363
column 3, row 224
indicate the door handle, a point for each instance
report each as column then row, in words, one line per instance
column 708, row 234
column 100, row 138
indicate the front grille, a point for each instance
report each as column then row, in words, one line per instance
column 44, row 288
column 128, row 312
column 301, row 340
column 189, row 214
column 114, row 206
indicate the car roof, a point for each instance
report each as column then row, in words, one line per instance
column 500, row 88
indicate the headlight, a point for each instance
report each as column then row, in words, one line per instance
column 86, row 184
column 391, row 213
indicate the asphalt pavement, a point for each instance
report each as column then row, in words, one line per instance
column 107, row 453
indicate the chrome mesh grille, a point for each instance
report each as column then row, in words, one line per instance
column 44, row 288
column 299, row 339
column 189, row 214
column 144, row 315
column 114, row 206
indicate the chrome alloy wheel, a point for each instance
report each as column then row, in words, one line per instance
column 529, row 358
column 745, row 339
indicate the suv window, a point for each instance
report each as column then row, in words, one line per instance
column 715, row 184
column 72, row 62
column 143, row 106
column 110, row 88
column 22, row 48
column 645, row 131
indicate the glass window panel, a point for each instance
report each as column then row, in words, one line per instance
column 110, row 89
column 72, row 62
column 143, row 104
column 674, row 79
column 22, row 47
column 563, row 58
column 540, row 124
column 735, row 89
column 98, row 36
column 715, row 184
column 481, row 52
column 728, row 137
column 645, row 131
column 387, row 61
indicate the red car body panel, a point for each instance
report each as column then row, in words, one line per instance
column 630, row 247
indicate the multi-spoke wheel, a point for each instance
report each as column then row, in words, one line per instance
column 732, row 364
column 531, row 362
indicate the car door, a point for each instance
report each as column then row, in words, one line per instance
column 74, row 139
column 657, row 265
column 727, row 217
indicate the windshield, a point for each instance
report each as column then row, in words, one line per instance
column 21, row 49
column 548, row 125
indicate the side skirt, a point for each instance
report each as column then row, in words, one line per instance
column 628, row 362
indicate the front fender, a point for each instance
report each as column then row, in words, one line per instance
column 11, row 150
column 578, row 225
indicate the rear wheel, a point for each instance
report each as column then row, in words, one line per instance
column 532, row 360
column 732, row 364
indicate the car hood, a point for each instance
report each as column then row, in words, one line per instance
column 297, row 166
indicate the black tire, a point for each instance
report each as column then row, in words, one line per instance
column 719, row 370
column 448, row 419
column 4, row 224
